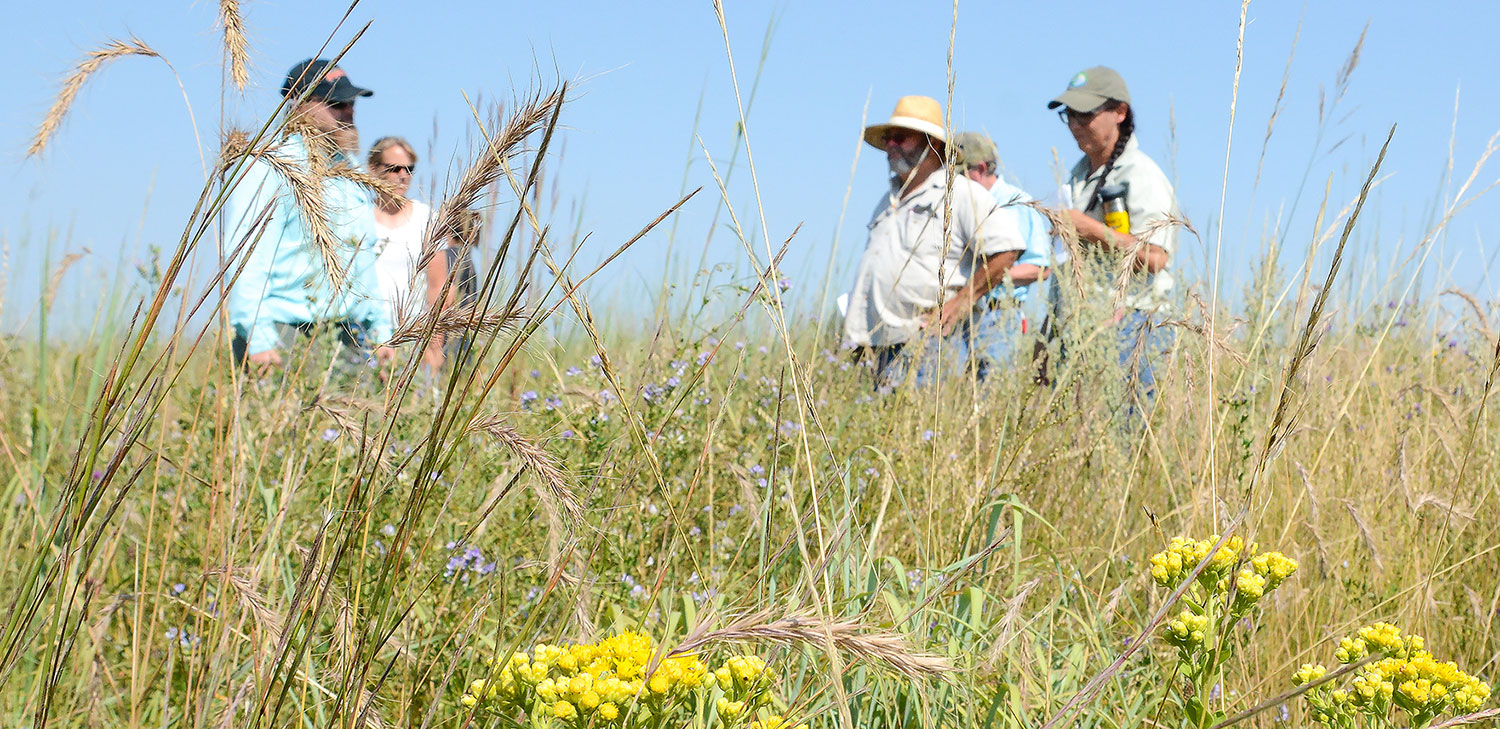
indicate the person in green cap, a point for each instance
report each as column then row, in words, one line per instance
column 1125, row 215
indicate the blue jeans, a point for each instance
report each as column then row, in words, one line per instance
column 984, row 343
column 1140, row 339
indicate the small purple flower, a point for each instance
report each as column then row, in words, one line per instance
column 552, row 402
column 784, row 284
column 565, row 434
column 927, row 435
column 1215, row 692
column 179, row 588
column 536, row 374
column 739, row 345
column 1283, row 714
column 673, row 382
column 595, row 361
column 330, row 435
column 529, row 396
column 756, row 469
column 704, row 357
column 390, row 530
column 573, row 372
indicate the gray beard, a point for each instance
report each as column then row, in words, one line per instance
column 902, row 166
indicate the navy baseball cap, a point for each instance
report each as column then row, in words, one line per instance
column 327, row 81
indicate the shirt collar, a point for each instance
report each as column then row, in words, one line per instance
column 1131, row 146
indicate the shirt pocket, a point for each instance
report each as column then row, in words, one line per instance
column 922, row 231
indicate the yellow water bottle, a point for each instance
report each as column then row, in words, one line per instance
column 1116, row 216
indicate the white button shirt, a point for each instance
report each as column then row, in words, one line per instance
column 909, row 268
column 1150, row 201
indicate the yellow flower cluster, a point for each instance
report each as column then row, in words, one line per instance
column 1407, row 677
column 1254, row 576
column 775, row 721
column 607, row 684
column 1261, row 573
column 1379, row 638
column 1187, row 631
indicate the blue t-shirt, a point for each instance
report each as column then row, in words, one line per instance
column 1034, row 230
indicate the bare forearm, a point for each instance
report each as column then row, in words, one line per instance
column 989, row 275
column 1024, row 274
column 1150, row 258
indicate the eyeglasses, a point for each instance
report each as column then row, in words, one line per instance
column 1068, row 116
column 408, row 169
column 340, row 105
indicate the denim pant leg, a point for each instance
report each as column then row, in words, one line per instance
column 1142, row 340
column 990, row 340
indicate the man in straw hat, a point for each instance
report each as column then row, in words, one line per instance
column 931, row 256
column 308, row 271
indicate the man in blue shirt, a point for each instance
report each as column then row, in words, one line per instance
column 977, row 159
column 289, row 287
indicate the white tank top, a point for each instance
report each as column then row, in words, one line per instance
column 403, row 288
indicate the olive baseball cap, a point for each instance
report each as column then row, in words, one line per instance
column 327, row 81
column 1090, row 88
column 971, row 149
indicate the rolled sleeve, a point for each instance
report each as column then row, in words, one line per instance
column 986, row 226
column 1152, row 208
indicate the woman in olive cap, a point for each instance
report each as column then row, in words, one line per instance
column 1124, row 212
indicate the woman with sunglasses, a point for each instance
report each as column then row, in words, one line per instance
column 400, row 228
column 1132, row 252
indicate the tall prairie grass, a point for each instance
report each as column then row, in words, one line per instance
column 186, row 545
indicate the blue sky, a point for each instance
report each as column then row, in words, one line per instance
column 124, row 171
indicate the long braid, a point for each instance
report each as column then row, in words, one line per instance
column 1127, row 130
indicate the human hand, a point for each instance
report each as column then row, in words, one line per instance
column 942, row 321
column 432, row 357
column 262, row 363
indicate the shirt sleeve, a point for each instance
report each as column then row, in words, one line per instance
column 1038, row 242
column 988, row 227
column 1151, row 204
column 249, row 212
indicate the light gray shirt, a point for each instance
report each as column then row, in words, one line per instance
column 1151, row 203
column 910, row 268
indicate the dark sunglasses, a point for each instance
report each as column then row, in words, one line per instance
column 408, row 169
column 1083, row 117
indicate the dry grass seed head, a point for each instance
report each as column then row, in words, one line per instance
column 855, row 639
column 236, row 44
column 452, row 320
column 555, row 493
column 90, row 65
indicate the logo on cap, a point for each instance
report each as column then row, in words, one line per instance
column 1078, row 80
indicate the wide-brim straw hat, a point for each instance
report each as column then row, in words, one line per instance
column 918, row 113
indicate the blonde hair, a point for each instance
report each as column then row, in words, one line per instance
column 384, row 143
